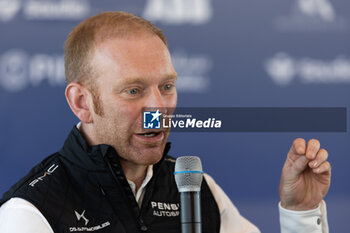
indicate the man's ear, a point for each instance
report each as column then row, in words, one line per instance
column 79, row 101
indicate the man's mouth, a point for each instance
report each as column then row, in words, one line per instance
column 150, row 137
column 150, row 134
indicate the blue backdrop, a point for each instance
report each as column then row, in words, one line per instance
column 241, row 53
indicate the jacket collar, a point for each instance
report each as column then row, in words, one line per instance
column 79, row 152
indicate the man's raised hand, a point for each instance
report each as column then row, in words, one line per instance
column 306, row 176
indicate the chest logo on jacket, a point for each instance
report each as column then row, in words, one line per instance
column 81, row 216
column 165, row 209
column 86, row 221
column 48, row 172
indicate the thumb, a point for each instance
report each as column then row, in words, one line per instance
column 297, row 166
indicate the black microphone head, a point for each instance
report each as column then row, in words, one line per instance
column 188, row 174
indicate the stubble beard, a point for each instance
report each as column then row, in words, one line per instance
column 121, row 139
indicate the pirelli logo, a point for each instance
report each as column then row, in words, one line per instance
column 48, row 172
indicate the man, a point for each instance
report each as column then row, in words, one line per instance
column 114, row 176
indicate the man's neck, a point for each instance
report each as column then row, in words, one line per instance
column 134, row 173
column 85, row 131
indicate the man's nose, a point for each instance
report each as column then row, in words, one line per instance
column 155, row 99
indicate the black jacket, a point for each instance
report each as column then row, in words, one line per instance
column 83, row 189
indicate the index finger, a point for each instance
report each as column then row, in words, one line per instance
column 297, row 149
column 299, row 146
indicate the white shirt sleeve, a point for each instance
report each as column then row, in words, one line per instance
column 20, row 216
column 311, row 221
column 231, row 220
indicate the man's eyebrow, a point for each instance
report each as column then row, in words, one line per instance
column 170, row 76
column 133, row 80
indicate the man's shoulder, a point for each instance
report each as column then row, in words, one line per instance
column 37, row 178
column 45, row 187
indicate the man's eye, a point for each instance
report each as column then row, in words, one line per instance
column 168, row 87
column 133, row 91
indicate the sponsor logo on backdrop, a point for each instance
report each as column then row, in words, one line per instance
column 44, row 9
column 311, row 15
column 283, row 69
column 19, row 70
column 321, row 9
column 177, row 12
column 14, row 70
column 9, row 9
column 193, row 71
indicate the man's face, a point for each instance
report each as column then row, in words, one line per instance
column 132, row 74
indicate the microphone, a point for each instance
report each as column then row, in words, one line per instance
column 188, row 177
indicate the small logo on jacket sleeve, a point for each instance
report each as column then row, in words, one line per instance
column 46, row 173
